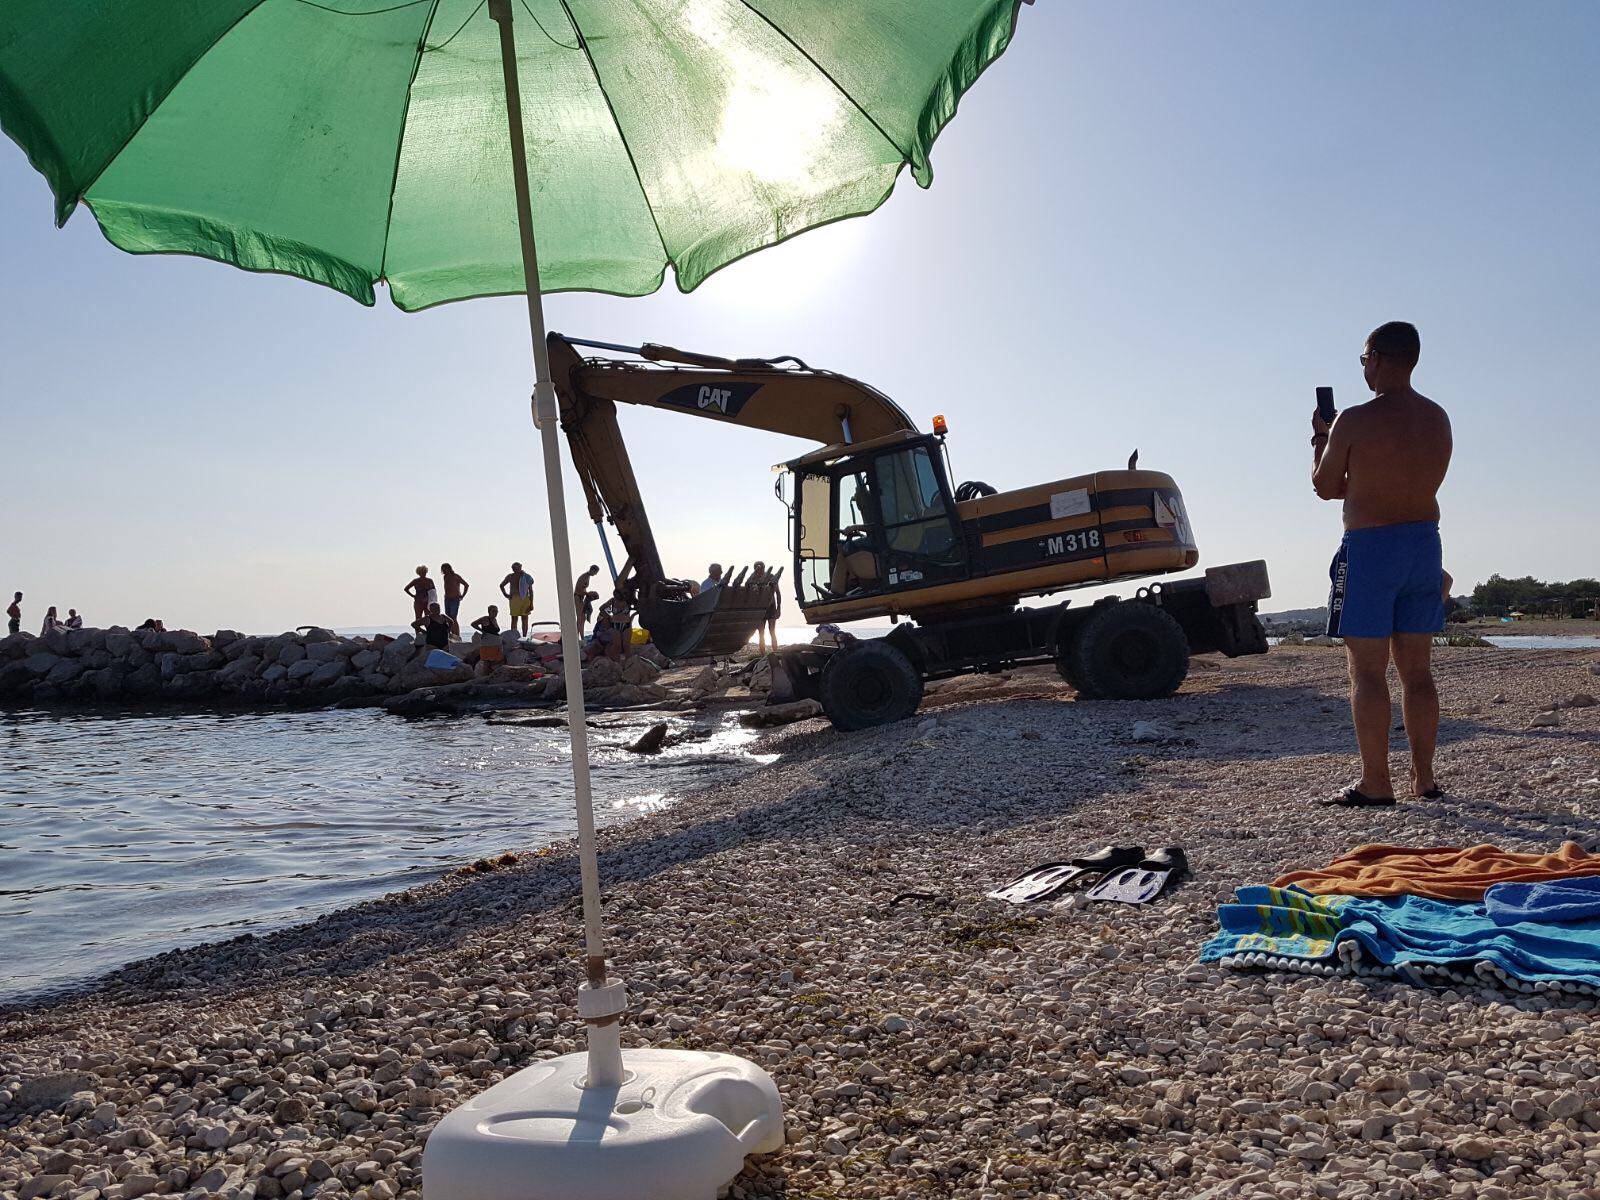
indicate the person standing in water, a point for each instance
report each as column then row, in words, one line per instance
column 1385, row 460
column 517, row 588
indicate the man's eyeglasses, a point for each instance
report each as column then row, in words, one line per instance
column 1369, row 355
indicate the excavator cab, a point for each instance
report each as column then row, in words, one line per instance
column 874, row 518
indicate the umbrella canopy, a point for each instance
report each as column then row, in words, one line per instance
column 357, row 141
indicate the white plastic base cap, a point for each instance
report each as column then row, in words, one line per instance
column 678, row 1128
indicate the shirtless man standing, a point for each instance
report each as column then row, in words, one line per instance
column 517, row 588
column 1386, row 459
column 455, row 591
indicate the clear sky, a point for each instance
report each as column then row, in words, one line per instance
column 1153, row 225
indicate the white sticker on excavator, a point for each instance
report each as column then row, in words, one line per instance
column 1069, row 504
column 1171, row 516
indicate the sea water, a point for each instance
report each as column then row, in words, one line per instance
column 125, row 834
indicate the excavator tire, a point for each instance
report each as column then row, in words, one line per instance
column 869, row 683
column 1128, row 651
column 1064, row 669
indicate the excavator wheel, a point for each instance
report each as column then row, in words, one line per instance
column 1064, row 669
column 869, row 683
column 1129, row 650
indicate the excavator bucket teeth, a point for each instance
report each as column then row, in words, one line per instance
column 715, row 624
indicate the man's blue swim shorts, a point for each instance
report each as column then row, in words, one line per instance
column 1388, row 579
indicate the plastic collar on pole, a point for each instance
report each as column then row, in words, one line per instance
column 545, row 407
column 597, row 1002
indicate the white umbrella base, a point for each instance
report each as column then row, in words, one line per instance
column 678, row 1128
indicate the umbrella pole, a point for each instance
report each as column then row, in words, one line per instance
column 601, row 1004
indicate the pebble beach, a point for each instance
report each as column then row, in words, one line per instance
column 825, row 916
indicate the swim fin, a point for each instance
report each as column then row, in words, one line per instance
column 1047, row 879
column 1143, row 883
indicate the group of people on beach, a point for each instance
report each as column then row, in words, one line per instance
column 52, row 620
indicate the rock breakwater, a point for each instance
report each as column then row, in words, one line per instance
column 308, row 667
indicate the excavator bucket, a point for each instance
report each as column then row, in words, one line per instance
column 715, row 624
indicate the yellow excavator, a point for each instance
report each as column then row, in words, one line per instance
column 876, row 530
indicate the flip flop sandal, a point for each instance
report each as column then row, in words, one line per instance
column 1143, row 883
column 1352, row 797
column 1434, row 793
column 1047, row 879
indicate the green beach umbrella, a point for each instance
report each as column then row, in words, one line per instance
column 458, row 148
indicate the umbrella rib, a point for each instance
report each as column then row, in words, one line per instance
column 616, row 122
column 83, row 192
column 400, row 142
column 828, row 75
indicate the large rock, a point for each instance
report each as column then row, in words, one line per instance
column 173, row 664
column 397, row 654
column 640, row 670
column 276, row 673
column 194, row 685
column 781, row 714
column 240, row 646
column 419, row 676
column 143, row 680
column 324, row 652
column 325, row 673
column 13, row 676
column 121, row 643
column 16, row 646
column 303, row 669
column 64, row 671
column 292, row 653
column 364, row 659
column 602, row 673
column 318, row 636
column 41, row 663
column 81, row 641
column 223, row 638
column 56, row 640
column 184, row 641
column 241, row 668
column 108, row 682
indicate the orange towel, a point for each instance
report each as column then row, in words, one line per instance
column 1442, row 872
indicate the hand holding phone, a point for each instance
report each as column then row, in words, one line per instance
column 1325, row 408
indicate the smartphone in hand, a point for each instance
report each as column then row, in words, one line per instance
column 1325, row 408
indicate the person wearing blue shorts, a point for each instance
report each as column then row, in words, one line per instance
column 1385, row 460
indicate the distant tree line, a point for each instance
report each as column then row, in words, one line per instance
column 1498, row 596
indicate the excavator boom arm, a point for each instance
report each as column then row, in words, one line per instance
column 820, row 406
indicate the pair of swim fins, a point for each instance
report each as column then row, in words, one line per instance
column 1127, row 875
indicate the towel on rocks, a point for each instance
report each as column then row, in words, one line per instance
column 1414, row 935
column 1563, row 900
column 1439, row 872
